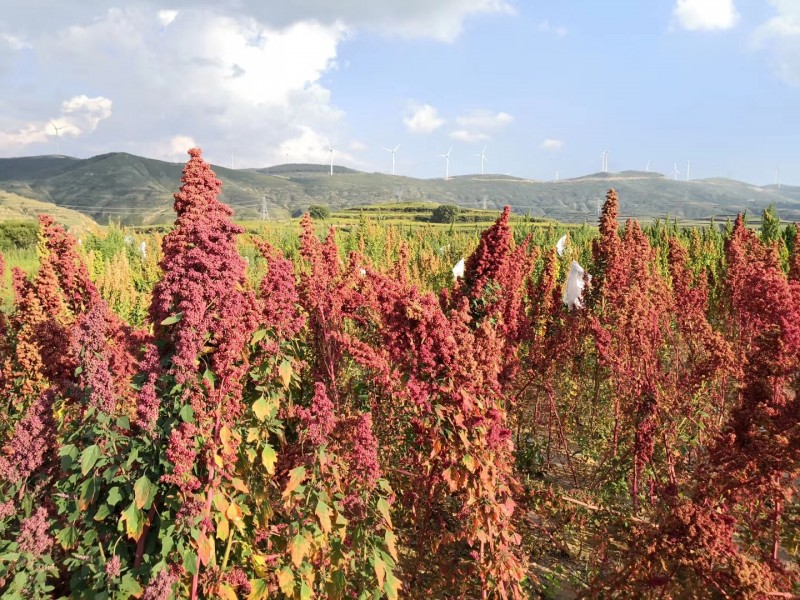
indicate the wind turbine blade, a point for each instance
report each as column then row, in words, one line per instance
column 396, row 147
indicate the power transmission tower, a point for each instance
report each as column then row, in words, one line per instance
column 264, row 209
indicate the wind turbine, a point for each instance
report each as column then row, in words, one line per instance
column 446, row 158
column 57, row 128
column 557, row 173
column 688, row 166
column 483, row 158
column 604, row 156
column 675, row 172
column 392, row 150
column 330, row 149
column 647, row 167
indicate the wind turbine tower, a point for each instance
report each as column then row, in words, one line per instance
column 688, row 167
column 483, row 158
column 446, row 158
column 647, row 167
column 604, row 156
column 330, row 149
column 675, row 172
column 392, row 150
column 57, row 128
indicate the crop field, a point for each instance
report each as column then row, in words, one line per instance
column 371, row 405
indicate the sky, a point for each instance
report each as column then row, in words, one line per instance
column 708, row 86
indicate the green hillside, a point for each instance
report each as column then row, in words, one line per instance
column 138, row 191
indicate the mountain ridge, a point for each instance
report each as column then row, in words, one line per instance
column 137, row 190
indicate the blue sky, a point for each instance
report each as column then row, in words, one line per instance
column 545, row 86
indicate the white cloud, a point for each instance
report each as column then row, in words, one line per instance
column 165, row 17
column 14, row 42
column 546, row 27
column 462, row 135
column 175, row 148
column 779, row 37
column 357, row 146
column 479, row 125
column 246, row 78
column 31, row 133
column 552, row 144
column 310, row 146
column 423, row 119
column 484, row 119
column 80, row 115
column 443, row 20
column 705, row 14
column 240, row 86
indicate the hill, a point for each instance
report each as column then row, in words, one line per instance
column 17, row 208
column 137, row 190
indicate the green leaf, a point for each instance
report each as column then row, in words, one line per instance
column 172, row 319
column 261, row 408
column 89, row 458
column 87, row 493
column 298, row 548
column 390, row 540
column 143, row 492
column 124, row 422
column 269, row 458
column 102, row 512
column 68, row 454
column 129, row 585
column 258, row 336
column 190, row 561
column 167, row 543
column 134, row 521
column 258, row 589
column 209, row 378
column 323, row 512
column 383, row 507
column 469, row 462
column 285, row 371
column 187, row 413
column 391, row 586
column 336, row 585
column 114, row 496
column 296, row 477
column 305, row 591
column 67, row 537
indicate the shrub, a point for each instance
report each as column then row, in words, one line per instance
column 18, row 235
column 445, row 213
column 319, row 211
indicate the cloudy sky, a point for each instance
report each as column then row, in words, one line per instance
column 544, row 86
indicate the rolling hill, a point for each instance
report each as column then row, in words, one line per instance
column 137, row 190
column 18, row 208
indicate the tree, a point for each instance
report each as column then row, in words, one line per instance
column 319, row 212
column 445, row 213
column 770, row 225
